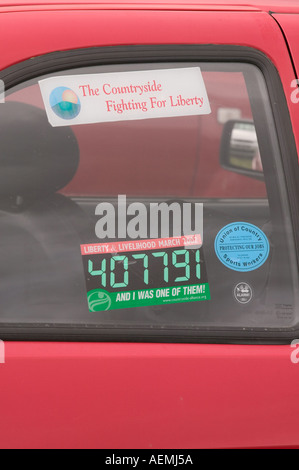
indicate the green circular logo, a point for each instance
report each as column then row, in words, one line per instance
column 98, row 300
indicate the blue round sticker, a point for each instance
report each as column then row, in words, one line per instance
column 242, row 247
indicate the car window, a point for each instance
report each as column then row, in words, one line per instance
column 144, row 200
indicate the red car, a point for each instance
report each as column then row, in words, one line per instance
column 149, row 193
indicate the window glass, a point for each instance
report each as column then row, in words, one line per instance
column 173, row 218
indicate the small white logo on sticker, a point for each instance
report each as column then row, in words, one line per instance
column 243, row 293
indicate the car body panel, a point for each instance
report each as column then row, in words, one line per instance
column 150, row 396
column 290, row 25
column 289, row 6
column 133, row 395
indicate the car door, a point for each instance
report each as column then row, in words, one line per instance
column 209, row 363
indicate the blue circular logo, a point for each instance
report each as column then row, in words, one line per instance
column 65, row 103
column 242, row 247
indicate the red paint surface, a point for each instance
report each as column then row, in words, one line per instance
column 290, row 6
column 290, row 26
column 146, row 395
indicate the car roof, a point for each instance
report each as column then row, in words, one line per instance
column 276, row 6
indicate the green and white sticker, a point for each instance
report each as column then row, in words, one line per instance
column 145, row 273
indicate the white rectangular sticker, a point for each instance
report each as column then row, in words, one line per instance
column 124, row 96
